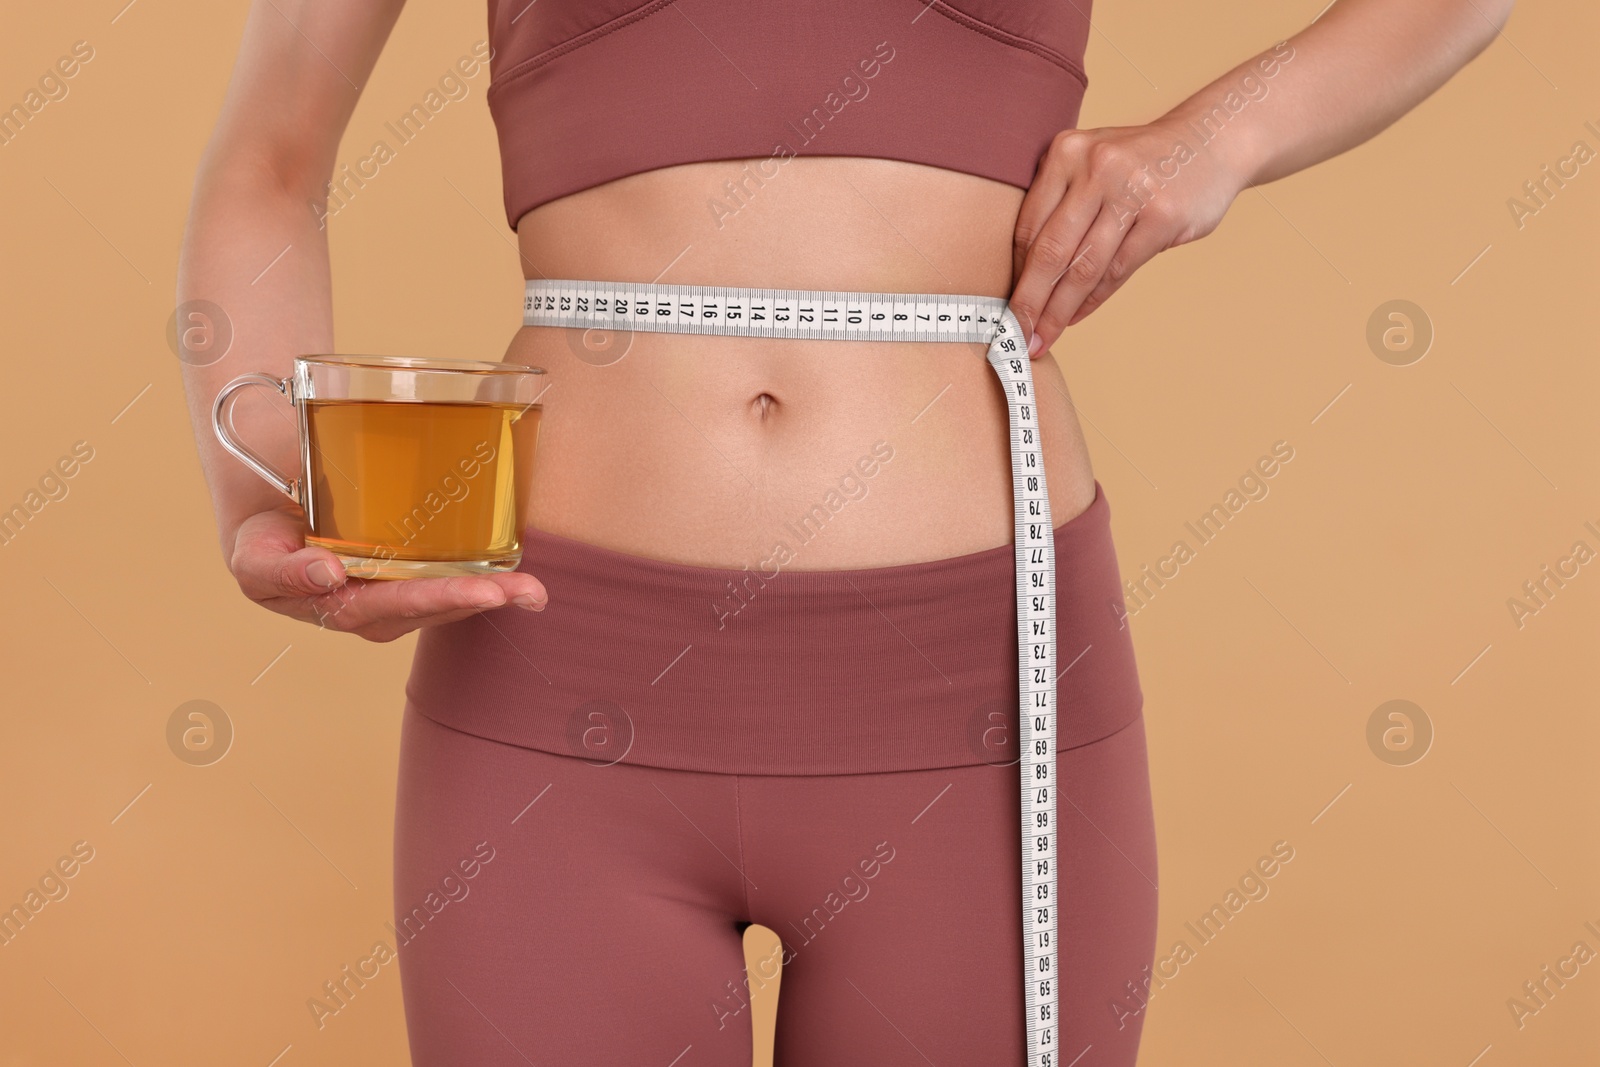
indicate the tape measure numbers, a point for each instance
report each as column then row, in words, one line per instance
column 909, row 317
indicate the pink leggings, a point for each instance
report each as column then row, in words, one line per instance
column 595, row 801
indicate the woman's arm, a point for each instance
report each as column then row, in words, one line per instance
column 256, row 247
column 1105, row 201
column 273, row 147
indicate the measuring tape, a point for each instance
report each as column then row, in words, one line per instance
column 907, row 317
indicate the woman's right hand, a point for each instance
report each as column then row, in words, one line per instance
column 278, row 570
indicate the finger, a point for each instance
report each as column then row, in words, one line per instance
column 1051, row 254
column 415, row 602
column 336, row 611
column 364, row 603
column 271, row 559
column 1088, row 266
column 1044, row 194
column 389, row 629
column 522, row 590
column 1148, row 237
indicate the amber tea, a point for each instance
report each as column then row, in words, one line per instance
column 418, row 481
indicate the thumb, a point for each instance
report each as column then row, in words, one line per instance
column 271, row 559
column 312, row 571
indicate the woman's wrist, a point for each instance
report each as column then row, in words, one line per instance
column 1236, row 157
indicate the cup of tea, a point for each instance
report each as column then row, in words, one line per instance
column 409, row 467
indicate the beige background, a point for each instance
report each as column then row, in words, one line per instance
column 1378, row 568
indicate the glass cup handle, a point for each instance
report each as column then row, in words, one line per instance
column 227, row 433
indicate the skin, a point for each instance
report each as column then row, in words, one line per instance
column 712, row 445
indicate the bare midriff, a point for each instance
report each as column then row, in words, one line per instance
column 713, row 451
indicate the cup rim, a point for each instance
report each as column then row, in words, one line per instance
column 419, row 363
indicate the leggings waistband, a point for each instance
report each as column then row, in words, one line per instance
column 787, row 672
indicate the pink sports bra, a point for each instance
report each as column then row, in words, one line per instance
column 586, row 91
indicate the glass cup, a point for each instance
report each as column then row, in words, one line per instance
column 409, row 468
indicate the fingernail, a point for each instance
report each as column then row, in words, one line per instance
column 318, row 573
column 1034, row 344
column 526, row 601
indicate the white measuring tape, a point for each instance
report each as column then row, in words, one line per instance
column 908, row 317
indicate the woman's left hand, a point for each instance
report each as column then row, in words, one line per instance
column 1102, row 204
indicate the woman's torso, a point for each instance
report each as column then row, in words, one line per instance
column 714, row 450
